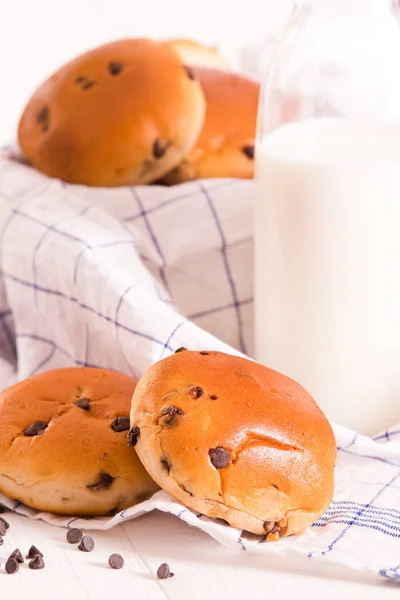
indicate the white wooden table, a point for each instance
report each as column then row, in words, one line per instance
column 203, row 568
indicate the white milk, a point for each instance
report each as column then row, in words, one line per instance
column 327, row 265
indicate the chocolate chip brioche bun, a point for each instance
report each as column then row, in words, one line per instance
column 63, row 443
column 234, row 440
column 196, row 54
column 122, row 114
column 225, row 147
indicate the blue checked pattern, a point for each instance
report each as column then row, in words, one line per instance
column 120, row 278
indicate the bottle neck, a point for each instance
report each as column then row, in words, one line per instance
column 350, row 8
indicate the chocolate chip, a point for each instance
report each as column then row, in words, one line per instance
column 196, row 392
column 219, row 457
column 80, row 79
column 204, row 353
column 189, row 72
column 83, row 403
column 74, row 536
column 268, row 525
column 37, row 563
column 158, row 149
column 3, row 529
column 42, row 118
column 115, row 67
column 87, row 85
column 16, row 555
column 12, row 566
column 170, row 413
column 36, row 428
column 165, row 463
column 33, row 551
column 248, row 151
column 182, row 349
column 5, row 523
column 120, row 424
column 213, row 397
column 132, row 436
column 87, row 544
column 164, row 572
column 103, row 482
column 116, row 561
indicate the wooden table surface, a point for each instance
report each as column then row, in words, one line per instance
column 203, row 568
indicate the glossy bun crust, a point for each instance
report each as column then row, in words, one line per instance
column 234, row 440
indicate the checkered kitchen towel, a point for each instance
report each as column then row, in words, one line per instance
column 120, row 278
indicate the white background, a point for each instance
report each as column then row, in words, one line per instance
column 37, row 36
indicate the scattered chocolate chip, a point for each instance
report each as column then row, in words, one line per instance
column 248, row 151
column 42, row 118
column 219, row 457
column 189, row 72
column 182, row 349
column 213, row 397
column 16, row 555
column 204, row 353
column 163, row 572
column 83, row 403
column 120, row 424
column 80, row 79
column 87, row 544
column 158, row 149
column 74, row 536
column 33, row 551
column 132, row 436
column 12, row 566
column 196, row 392
column 170, row 413
column 35, row 428
column 165, row 463
column 103, row 482
column 6, row 523
column 37, row 563
column 115, row 67
column 116, row 561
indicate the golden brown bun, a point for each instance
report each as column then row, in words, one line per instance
column 196, row 54
column 122, row 114
column 235, row 440
column 225, row 147
column 81, row 463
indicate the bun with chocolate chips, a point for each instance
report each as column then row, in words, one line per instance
column 236, row 441
column 225, row 147
column 124, row 113
column 63, row 445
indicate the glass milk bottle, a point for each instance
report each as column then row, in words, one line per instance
column 327, row 210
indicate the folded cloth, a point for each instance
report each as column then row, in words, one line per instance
column 120, row 278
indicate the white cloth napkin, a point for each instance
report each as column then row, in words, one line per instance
column 120, row 278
